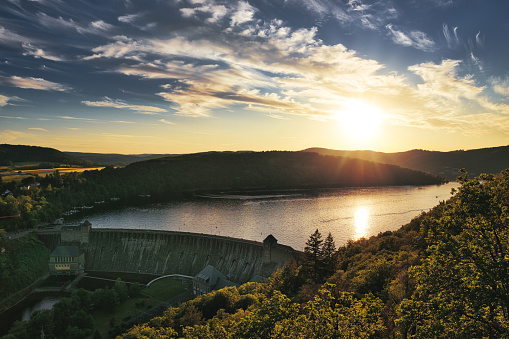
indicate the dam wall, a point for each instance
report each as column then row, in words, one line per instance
column 168, row 252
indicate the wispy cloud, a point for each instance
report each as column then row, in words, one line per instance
column 33, row 83
column 75, row 118
column 122, row 122
column 119, row 104
column 8, row 37
column 164, row 121
column 39, row 52
column 7, row 117
column 97, row 27
column 500, row 85
column 451, row 36
column 415, row 39
column 38, row 129
column 3, row 100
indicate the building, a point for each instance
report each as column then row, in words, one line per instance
column 66, row 260
column 210, row 279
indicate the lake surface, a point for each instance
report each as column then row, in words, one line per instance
column 348, row 213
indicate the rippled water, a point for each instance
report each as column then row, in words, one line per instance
column 348, row 213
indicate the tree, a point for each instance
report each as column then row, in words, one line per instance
column 328, row 250
column 462, row 287
column 313, row 255
column 120, row 288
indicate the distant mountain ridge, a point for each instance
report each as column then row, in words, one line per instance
column 445, row 164
column 115, row 158
column 23, row 153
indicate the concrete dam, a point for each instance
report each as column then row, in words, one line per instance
column 169, row 252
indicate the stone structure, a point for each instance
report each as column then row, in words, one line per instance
column 210, row 279
column 66, row 260
column 168, row 252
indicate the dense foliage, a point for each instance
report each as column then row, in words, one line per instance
column 22, row 262
column 444, row 275
column 72, row 317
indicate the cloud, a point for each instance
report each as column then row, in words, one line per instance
column 277, row 116
column 324, row 8
column 213, row 12
column 119, row 104
column 7, row 117
column 164, row 121
column 479, row 40
column 74, row 118
column 33, row 83
column 415, row 39
column 242, row 14
column 442, row 81
column 39, row 53
column 3, row 100
column 98, row 27
column 10, row 136
column 500, row 85
column 8, row 37
column 451, row 37
column 38, row 129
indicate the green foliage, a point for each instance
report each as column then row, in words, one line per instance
column 462, row 287
column 24, row 261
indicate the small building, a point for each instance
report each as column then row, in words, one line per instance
column 66, row 260
column 209, row 279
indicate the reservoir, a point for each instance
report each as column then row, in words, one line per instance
column 292, row 216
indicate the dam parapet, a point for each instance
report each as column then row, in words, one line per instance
column 170, row 252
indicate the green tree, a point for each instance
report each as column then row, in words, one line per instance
column 313, row 255
column 462, row 287
column 328, row 250
column 121, row 289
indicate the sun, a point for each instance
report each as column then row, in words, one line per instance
column 360, row 120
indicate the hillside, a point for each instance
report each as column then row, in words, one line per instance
column 445, row 164
column 114, row 159
column 22, row 153
column 275, row 170
column 443, row 275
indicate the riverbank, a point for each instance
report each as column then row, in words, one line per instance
column 12, row 308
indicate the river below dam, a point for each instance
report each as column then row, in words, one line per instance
column 348, row 213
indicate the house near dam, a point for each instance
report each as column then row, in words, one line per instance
column 66, row 260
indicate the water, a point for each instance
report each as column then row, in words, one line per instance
column 45, row 303
column 348, row 213
column 24, row 310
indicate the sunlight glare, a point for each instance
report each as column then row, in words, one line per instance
column 361, row 218
column 361, row 121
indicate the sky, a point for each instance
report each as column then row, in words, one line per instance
column 172, row 76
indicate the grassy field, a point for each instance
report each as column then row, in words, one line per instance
column 164, row 289
column 158, row 292
column 18, row 175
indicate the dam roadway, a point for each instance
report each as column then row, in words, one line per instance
column 170, row 252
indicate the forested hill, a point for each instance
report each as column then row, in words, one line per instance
column 274, row 170
column 445, row 164
column 114, row 159
column 22, row 153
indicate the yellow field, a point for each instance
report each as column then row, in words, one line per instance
column 19, row 175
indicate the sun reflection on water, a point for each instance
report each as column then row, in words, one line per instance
column 361, row 218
